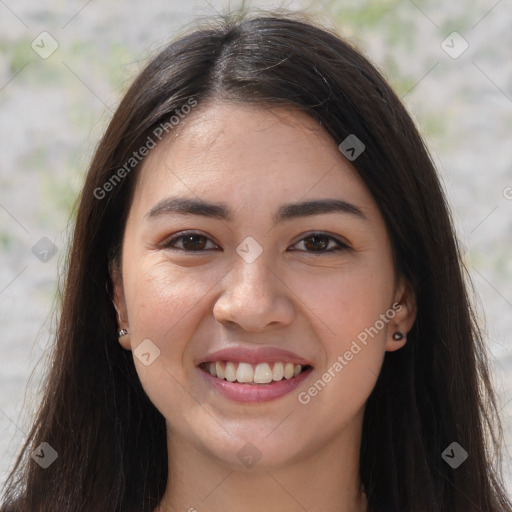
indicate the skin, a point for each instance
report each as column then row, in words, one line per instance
column 292, row 296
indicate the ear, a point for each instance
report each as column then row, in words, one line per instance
column 120, row 305
column 405, row 310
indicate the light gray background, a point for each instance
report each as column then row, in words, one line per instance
column 53, row 111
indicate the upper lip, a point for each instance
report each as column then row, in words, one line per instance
column 255, row 356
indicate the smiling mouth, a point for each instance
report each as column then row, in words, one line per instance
column 250, row 373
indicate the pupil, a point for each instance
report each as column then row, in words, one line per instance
column 319, row 242
column 194, row 242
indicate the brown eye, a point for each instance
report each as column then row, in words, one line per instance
column 321, row 243
column 316, row 242
column 190, row 242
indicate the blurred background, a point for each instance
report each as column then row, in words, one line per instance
column 65, row 65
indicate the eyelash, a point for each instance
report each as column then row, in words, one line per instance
column 340, row 247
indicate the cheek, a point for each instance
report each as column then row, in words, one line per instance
column 161, row 300
column 164, row 306
column 345, row 304
column 349, row 314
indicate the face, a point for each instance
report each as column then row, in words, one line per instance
column 257, row 286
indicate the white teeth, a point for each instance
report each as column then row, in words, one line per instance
column 278, row 371
column 261, row 373
column 220, row 372
column 230, row 372
column 244, row 373
column 288, row 370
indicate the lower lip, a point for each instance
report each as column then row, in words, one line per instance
column 248, row 393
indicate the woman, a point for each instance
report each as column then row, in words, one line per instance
column 264, row 307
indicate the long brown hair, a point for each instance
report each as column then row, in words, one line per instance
column 111, row 440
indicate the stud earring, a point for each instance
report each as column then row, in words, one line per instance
column 122, row 332
column 397, row 336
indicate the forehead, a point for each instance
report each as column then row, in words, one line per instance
column 245, row 152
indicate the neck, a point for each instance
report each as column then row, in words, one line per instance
column 326, row 480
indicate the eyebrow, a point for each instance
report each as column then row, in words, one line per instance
column 288, row 211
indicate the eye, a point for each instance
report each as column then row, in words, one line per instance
column 193, row 241
column 190, row 242
column 322, row 243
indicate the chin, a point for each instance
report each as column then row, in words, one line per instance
column 256, row 453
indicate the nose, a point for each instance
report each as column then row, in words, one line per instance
column 254, row 297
